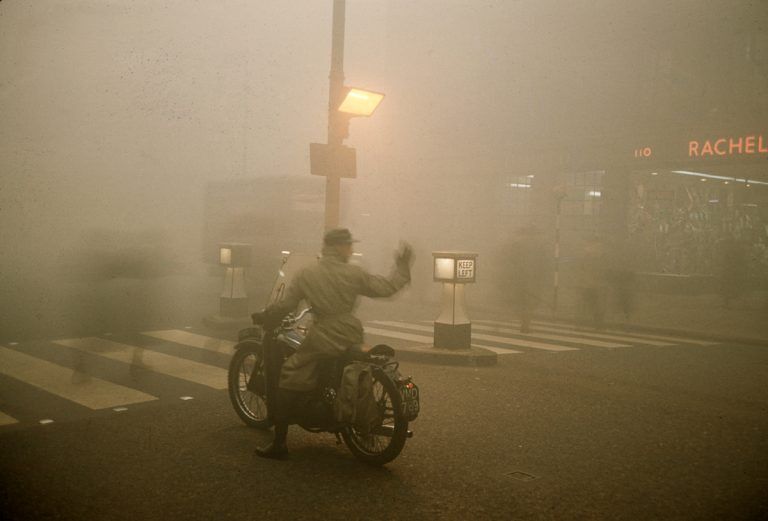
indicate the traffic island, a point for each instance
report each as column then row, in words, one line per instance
column 429, row 354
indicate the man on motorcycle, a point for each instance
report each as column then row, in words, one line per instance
column 331, row 287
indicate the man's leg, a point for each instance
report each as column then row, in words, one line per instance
column 300, row 371
column 278, row 449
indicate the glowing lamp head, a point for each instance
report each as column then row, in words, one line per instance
column 360, row 102
column 235, row 255
column 225, row 256
column 444, row 268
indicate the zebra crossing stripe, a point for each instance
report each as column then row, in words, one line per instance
column 678, row 340
column 549, row 336
column 93, row 393
column 627, row 337
column 181, row 368
column 422, row 339
column 6, row 419
column 477, row 336
column 522, row 343
column 186, row 338
column 539, row 327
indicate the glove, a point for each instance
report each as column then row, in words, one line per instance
column 269, row 321
column 404, row 256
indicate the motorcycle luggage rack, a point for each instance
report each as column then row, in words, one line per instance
column 392, row 365
column 389, row 431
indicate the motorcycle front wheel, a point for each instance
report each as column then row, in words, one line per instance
column 383, row 443
column 247, row 387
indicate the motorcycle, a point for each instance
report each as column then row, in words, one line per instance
column 253, row 376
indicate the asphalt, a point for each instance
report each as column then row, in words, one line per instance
column 473, row 356
column 628, row 434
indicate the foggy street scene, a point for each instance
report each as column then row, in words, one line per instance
column 384, row 259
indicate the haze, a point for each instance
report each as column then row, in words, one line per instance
column 137, row 136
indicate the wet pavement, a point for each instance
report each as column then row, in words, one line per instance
column 637, row 432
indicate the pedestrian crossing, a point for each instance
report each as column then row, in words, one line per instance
column 634, row 338
column 93, row 393
column 505, row 337
column 74, row 376
column 419, row 339
column 49, row 381
column 217, row 345
column 6, row 419
column 204, row 374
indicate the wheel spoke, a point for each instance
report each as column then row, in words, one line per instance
column 376, row 444
column 252, row 404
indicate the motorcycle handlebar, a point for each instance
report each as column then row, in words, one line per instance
column 302, row 314
column 260, row 319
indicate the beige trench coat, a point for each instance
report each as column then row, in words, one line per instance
column 331, row 287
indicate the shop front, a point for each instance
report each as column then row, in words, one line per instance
column 687, row 212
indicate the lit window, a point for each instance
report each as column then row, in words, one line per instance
column 517, row 194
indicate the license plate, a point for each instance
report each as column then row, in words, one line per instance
column 409, row 405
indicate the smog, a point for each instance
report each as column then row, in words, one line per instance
column 383, row 259
column 137, row 138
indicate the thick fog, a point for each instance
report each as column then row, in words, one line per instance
column 137, row 136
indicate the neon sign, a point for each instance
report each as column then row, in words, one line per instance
column 730, row 146
column 643, row 152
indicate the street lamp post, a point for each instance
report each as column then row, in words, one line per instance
column 336, row 119
column 332, row 159
column 559, row 192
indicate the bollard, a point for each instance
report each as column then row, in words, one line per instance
column 453, row 329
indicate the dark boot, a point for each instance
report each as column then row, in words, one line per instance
column 278, row 449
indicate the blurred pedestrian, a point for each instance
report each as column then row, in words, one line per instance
column 620, row 265
column 527, row 276
column 592, row 280
column 114, row 275
column 730, row 267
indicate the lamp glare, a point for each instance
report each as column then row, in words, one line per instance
column 360, row 102
column 225, row 256
column 445, row 268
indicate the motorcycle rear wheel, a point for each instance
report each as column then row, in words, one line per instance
column 382, row 444
column 249, row 401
